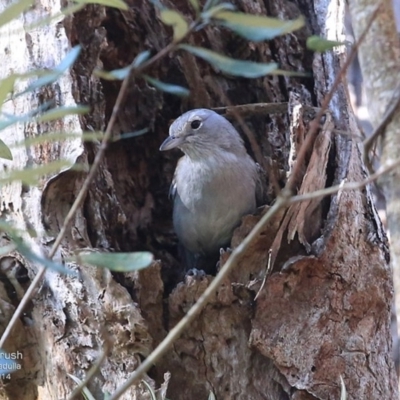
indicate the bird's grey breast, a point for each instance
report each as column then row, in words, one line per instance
column 210, row 199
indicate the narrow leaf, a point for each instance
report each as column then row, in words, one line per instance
column 257, row 27
column 195, row 4
column 31, row 176
column 5, row 151
column 119, row 262
column 68, row 60
column 246, row 69
column 207, row 15
column 14, row 11
column 158, row 4
column 167, row 87
column 177, row 21
column 7, row 249
column 59, row 136
column 109, row 3
column 9, row 120
column 116, row 74
column 6, row 86
column 11, row 230
column 209, row 4
column 24, row 250
column 52, row 75
column 60, row 112
column 320, row 44
column 141, row 58
column 56, row 17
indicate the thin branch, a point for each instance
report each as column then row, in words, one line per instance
column 345, row 186
column 252, row 109
column 393, row 106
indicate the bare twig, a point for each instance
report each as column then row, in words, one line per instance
column 393, row 106
column 345, row 186
column 267, row 272
column 253, row 109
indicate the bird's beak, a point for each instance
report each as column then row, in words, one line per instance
column 170, row 143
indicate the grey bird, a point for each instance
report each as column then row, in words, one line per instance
column 214, row 184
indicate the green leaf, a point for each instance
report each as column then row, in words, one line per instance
column 319, row 44
column 158, row 4
column 167, row 87
column 246, row 69
column 14, row 11
column 31, row 176
column 56, row 17
column 116, row 74
column 27, row 252
column 141, row 58
column 5, row 83
column 55, row 73
column 119, row 262
column 257, row 27
column 9, row 120
column 5, row 151
column 209, row 4
column 109, row 3
column 7, row 249
column 11, row 230
column 207, row 15
column 60, row 112
column 195, row 4
column 59, row 136
column 6, row 86
column 8, row 364
column 177, row 21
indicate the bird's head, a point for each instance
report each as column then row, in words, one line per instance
column 201, row 132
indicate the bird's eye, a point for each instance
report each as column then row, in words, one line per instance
column 195, row 124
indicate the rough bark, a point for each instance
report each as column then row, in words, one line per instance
column 325, row 316
column 379, row 60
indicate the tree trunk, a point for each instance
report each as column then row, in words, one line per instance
column 323, row 314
